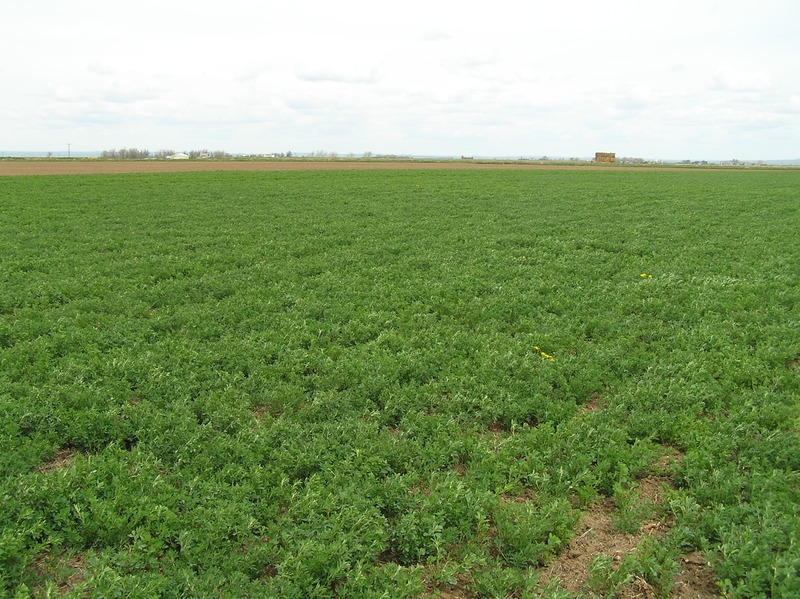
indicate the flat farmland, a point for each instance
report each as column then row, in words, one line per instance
column 94, row 167
column 400, row 383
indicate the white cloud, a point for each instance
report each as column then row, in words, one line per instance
column 337, row 73
column 101, row 67
column 729, row 78
column 425, row 77
column 435, row 35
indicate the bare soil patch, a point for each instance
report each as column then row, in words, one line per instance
column 593, row 405
column 458, row 590
column 694, row 579
column 62, row 459
column 597, row 533
column 66, row 571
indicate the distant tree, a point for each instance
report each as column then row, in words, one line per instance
column 134, row 154
column 125, row 154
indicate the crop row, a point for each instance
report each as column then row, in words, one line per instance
column 366, row 384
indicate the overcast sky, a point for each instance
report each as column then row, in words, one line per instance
column 684, row 79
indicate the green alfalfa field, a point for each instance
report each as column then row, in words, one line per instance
column 399, row 383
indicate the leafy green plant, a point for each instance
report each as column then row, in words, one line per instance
column 325, row 383
column 528, row 534
column 631, row 510
column 495, row 580
column 604, row 580
column 655, row 561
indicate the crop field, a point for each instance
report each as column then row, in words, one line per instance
column 400, row 384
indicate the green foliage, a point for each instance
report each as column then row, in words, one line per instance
column 603, row 579
column 328, row 384
column 631, row 510
column 495, row 580
column 529, row 534
column 653, row 561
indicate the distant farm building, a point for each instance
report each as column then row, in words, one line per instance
column 607, row 157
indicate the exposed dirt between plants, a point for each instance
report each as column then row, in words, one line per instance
column 694, row 579
column 598, row 534
column 593, row 405
column 595, row 535
column 66, row 571
column 456, row 592
column 62, row 459
column 93, row 167
column 458, row 589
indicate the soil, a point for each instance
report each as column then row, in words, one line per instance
column 62, row 459
column 596, row 534
column 93, row 166
column 66, row 571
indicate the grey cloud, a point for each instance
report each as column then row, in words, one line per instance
column 124, row 93
column 730, row 79
column 435, row 35
column 337, row 74
column 99, row 67
column 117, row 92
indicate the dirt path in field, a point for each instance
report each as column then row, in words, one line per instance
column 92, row 167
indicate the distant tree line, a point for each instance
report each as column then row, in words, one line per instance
column 136, row 154
column 125, row 154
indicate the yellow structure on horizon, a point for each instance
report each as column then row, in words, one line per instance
column 605, row 157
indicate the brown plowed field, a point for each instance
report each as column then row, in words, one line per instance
column 89, row 167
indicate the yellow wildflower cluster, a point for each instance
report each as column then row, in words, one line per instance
column 544, row 355
column 645, row 276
